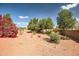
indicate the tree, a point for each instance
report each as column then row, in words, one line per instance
column 40, row 24
column 49, row 23
column 65, row 19
column 46, row 23
column 33, row 24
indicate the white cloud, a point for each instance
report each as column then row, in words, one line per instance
column 69, row 6
column 23, row 17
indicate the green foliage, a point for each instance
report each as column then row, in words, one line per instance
column 65, row 19
column 54, row 37
column 46, row 23
column 49, row 23
column 40, row 24
column 33, row 24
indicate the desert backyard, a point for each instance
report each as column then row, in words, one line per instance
column 29, row 44
column 39, row 29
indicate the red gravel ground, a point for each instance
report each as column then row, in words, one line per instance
column 36, row 45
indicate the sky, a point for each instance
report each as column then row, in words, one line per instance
column 22, row 13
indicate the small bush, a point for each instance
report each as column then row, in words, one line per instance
column 55, row 37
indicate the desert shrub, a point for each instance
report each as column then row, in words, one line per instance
column 54, row 37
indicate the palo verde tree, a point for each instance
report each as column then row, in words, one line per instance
column 65, row 19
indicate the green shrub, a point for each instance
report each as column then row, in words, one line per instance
column 33, row 24
column 55, row 37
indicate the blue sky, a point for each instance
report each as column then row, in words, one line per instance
column 22, row 13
